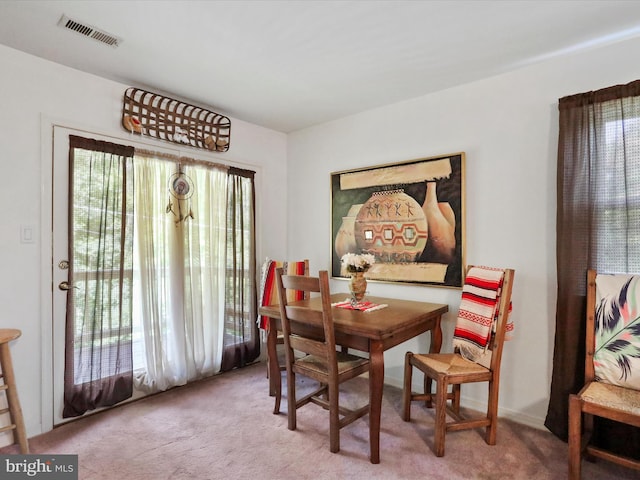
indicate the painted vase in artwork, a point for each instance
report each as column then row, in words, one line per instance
column 357, row 286
column 345, row 240
column 441, row 221
column 392, row 226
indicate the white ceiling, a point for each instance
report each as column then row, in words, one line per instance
column 288, row 65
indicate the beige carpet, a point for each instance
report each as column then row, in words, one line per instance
column 223, row 428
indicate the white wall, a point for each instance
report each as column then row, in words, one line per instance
column 508, row 127
column 33, row 92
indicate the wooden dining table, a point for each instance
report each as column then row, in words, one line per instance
column 371, row 331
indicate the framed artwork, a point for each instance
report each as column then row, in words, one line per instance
column 410, row 215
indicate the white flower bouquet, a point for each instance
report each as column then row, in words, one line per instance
column 354, row 262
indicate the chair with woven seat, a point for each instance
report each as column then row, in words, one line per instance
column 310, row 333
column 486, row 295
column 269, row 297
column 612, row 385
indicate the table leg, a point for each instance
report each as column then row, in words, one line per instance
column 436, row 337
column 275, row 381
column 376, row 382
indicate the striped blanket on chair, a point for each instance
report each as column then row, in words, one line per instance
column 268, row 289
column 478, row 313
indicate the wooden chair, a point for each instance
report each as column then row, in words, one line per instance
column 9, row 386
column 269, row 296
column 599, row 397
column 321, row 361
column 454, row 369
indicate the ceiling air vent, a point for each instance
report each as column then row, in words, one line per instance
column 89, row 31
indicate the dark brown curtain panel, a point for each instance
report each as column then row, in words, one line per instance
column 98, row 358
column 598, row 226
column 241, row 341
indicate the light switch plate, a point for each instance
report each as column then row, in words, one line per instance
column 27, row 234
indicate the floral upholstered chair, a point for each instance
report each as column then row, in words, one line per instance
column 612, row 366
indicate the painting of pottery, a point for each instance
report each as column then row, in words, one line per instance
column 410, row 215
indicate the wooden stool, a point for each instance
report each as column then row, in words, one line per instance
column 9, row 386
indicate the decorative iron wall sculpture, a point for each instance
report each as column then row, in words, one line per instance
column 161, row 117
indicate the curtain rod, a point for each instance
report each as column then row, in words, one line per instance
column 182, row 160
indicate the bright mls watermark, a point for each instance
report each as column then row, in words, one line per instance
column 50, row 467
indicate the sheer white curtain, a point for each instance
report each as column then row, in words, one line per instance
column 179, row 271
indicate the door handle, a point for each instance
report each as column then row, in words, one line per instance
column 66, row 286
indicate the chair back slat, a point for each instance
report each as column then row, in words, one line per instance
column 305, row 315
column 309, row 346
column 299, row 283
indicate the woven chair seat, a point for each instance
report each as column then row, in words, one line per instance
column 449, row 363
column 346, row 363
column 612, row 396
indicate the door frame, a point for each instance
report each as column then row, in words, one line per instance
column 48, row 124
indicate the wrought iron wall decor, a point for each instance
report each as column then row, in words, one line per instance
column 164, row 118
